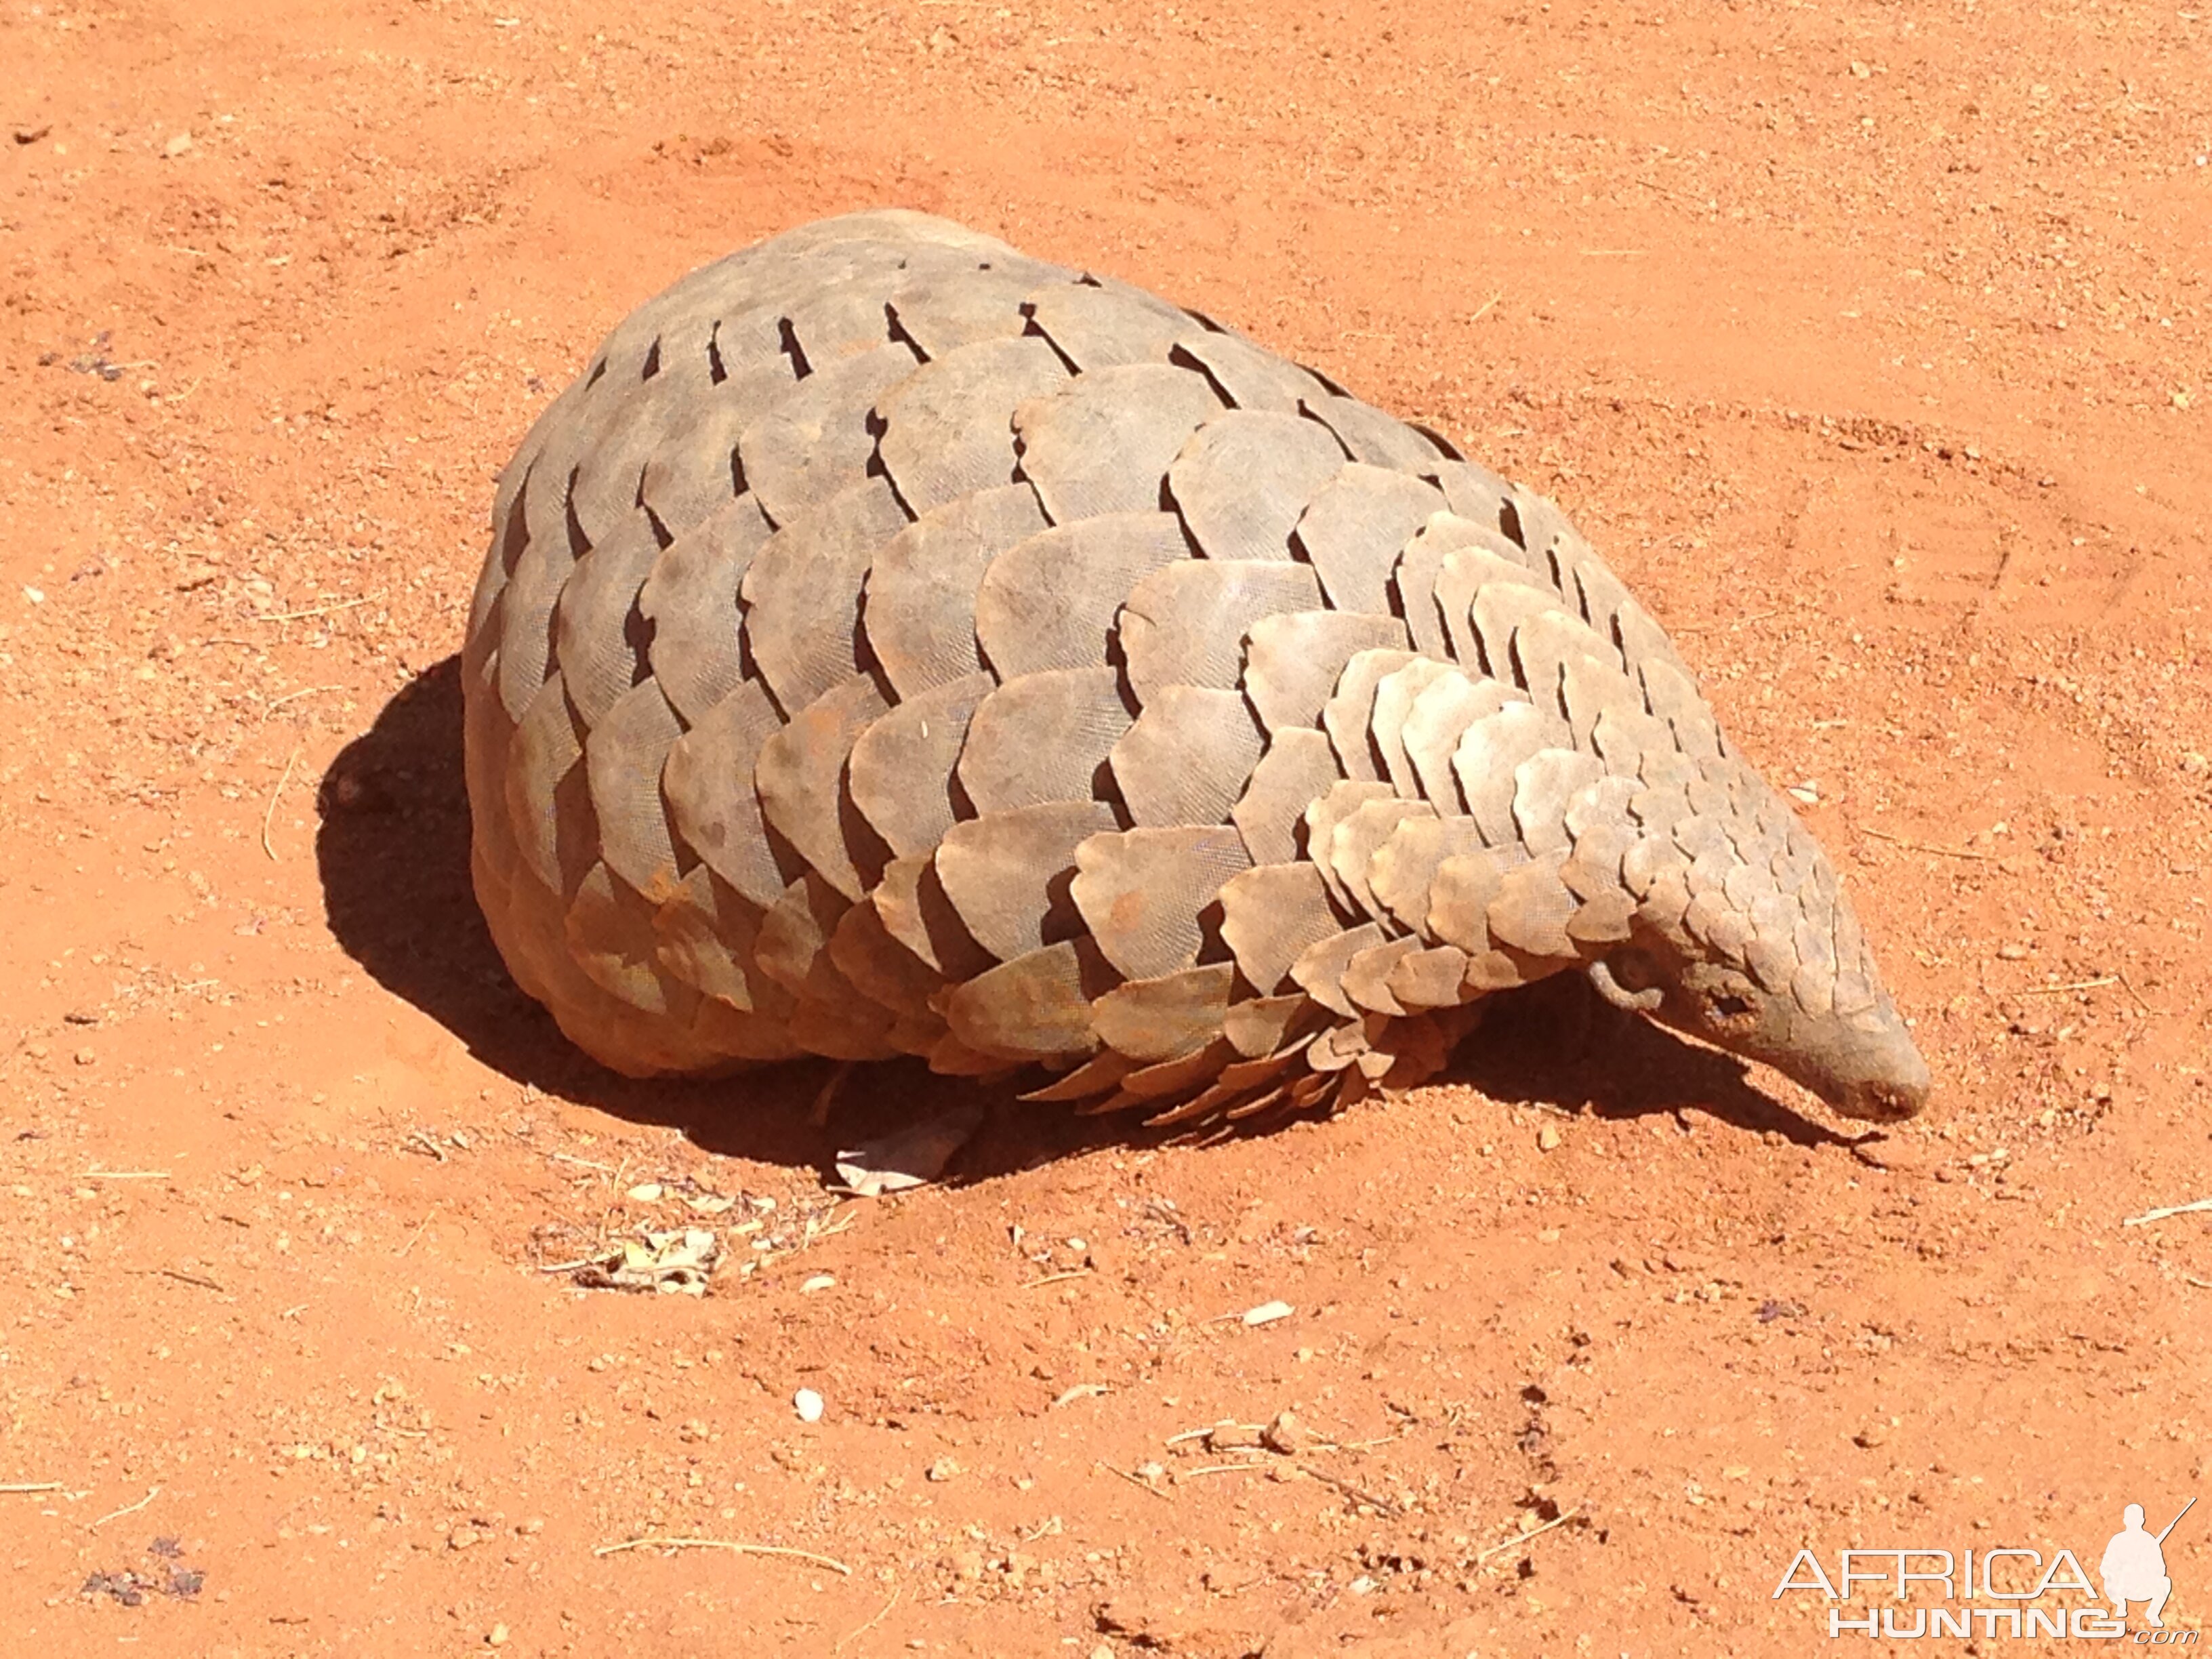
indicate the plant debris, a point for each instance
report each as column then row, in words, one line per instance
column 132, row 1586
column 93, row 362
column 597, row 1255
column 678, row 1262
column 912, row 1157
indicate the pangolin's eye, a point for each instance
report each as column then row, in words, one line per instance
column 1728, row 1005
column 1635, row 969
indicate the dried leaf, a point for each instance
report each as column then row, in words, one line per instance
column 911, row 1157
column 679, row 1262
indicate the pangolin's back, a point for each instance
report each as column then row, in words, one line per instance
column 894, row 645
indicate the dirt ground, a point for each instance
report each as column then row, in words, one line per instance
column 1872, row 344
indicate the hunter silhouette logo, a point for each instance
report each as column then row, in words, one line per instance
column 2134, row 1567
column 2004, row 1591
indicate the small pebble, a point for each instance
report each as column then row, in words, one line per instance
column 943, row 1469
column 808, row 1405
column 179, row 145
column 820, row 1282
column 1547, row 1138
column 1268, row 1313
column 498, row 1637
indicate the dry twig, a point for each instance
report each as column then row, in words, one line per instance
column 731, row 1545
column 864, row 1629
column 1141, row 1485
column 2149, row 1216
column 1731, row 625
column 1925, row 846
column 268, row 816
column 1533, row 1532
column 2072, row 985
column 152, row 1492
column 2141, row 1002
column 1359, row 1494
column 183, row 1277
column 275, row 703
column 312, row 610
column 581, row 1162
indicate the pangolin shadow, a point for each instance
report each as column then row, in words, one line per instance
column 392, row 852
column 1559, row 1044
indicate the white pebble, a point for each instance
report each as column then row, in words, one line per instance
column 808, row 1405
column 1268, row 1313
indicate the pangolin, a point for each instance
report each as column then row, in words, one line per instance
column 893, row 645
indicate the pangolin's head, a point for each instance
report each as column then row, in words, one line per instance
column 1742, row 938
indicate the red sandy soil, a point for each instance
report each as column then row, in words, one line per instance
column 1872, row 344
